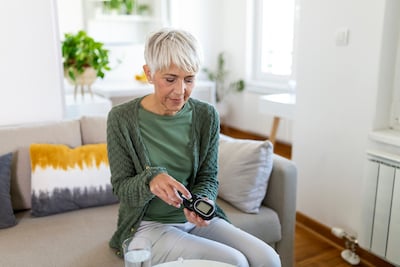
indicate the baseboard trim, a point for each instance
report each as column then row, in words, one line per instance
column 325, row 233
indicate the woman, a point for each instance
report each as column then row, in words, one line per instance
column 165, row 145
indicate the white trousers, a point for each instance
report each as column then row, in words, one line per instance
column 219, row 241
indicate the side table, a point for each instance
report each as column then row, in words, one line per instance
column 280, row 106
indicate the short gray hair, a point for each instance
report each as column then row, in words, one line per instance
column 168, row 46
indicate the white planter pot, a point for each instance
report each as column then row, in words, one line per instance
column 87, row 78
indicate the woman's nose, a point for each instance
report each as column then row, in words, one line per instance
column 181, row 87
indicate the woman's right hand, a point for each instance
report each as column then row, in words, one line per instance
column 166, row 188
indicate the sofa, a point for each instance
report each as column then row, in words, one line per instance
column 79, row 235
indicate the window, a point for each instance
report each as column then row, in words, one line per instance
column 274, row 41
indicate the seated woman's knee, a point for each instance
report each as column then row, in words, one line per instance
column 271, row 259
column 238, row 259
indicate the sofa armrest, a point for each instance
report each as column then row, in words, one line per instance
column 281, row 197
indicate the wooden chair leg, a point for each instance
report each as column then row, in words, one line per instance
column 274, row 130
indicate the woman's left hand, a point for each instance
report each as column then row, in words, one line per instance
column 192, row 217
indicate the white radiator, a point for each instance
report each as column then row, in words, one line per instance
column 381, row 214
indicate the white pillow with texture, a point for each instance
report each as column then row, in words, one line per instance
column 244, row 170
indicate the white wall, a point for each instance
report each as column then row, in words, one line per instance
column 337, row 100
column 70, row 16
column 30, row 67
column 202, row 18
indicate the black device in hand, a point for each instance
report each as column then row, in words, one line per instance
column 201, row 206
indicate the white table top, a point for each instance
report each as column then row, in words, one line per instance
column 194, row 263
column 122, row 88
column 86, row 105
column 279, row 105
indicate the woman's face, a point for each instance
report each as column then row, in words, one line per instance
column 172, row 88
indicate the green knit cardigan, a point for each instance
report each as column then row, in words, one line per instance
column 131, row 170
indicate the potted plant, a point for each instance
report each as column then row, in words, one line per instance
column 84, row 59
column 219, row 76
column 112, row 6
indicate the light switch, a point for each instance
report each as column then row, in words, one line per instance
column 342, row 37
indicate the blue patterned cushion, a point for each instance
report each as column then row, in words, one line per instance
column 7, row 217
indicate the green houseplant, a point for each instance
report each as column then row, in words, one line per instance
column 83, row 57
column 219, row 77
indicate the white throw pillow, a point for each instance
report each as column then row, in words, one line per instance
column 244, row 170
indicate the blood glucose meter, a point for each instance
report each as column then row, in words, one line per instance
column 201, row 206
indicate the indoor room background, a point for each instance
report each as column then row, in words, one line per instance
column 346, row 95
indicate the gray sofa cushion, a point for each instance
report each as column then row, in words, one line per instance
column 93, row 130
column 7, row 218
column 265, row 225
column 19, row 139
column 78, row 238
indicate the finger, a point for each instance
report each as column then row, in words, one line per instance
column 195, row 219
column 164, row 195
column 176, row 188
column 183, row 190
column 176, row 204
column 157, row 185
column 173, row 197
column 166, row 188
column 162, row 186
column 189, row 215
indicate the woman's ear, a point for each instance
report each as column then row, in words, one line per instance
column 147, row 72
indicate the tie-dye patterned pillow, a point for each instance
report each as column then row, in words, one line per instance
column 65, row 179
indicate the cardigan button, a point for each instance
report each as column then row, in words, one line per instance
column 132, row 230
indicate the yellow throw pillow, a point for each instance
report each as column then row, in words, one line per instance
column 65, row 179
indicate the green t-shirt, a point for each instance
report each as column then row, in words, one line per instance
column 167, row 141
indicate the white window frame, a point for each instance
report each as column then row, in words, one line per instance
column 262, row 82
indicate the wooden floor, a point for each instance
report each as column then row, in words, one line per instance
column 311, row 249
